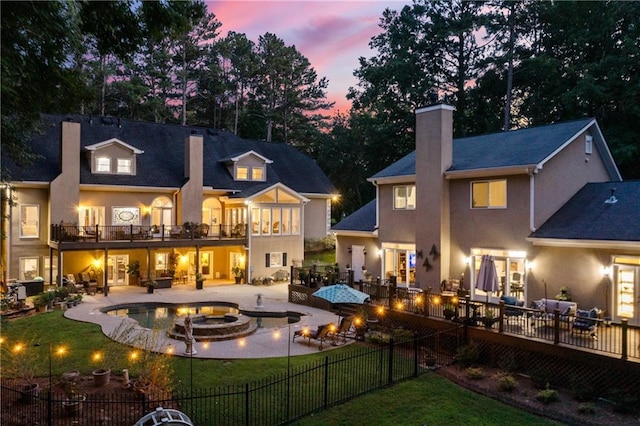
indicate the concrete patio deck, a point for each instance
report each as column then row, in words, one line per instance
column 264, row 343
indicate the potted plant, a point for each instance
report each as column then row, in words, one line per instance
column 199, row 281
column 489, row 318
column 238, row 273
column 449, row 311
column 151, row 286
column 43, row 300
column 73, row 404
column 564, row 295
column 172, row 263
column 133, row 270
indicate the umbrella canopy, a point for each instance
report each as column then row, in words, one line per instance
column 487, row 279
column 341, row 293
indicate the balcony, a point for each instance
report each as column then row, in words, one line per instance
column 78, row 237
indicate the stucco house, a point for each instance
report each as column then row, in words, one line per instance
column 548, row 203
column 106, row 192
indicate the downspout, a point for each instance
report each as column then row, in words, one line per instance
column 532, row 199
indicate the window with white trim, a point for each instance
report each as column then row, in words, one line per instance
column 404, row 197
column 491, row 194
column 588, row 144
column 257, row 173
column 103, row 164
column 242, row 173
column 29, row 221
column 125, row 166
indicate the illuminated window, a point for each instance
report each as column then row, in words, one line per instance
column 124, row 166
column 242, row 173
column 489, row 194
column 257, row 173
column 29, row 221
column 103, row 164
column 404, row 197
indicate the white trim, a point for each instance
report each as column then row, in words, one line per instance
column 603, row 244
column 487, row 172
column 113, row 141
column 435, row 108
column 393, row 179
column 247, row 153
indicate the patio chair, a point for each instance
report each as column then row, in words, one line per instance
column 511, row 307
column 321, row 334
column 345, row 327
column 586, row 322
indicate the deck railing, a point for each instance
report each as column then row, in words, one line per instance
column 99, row 233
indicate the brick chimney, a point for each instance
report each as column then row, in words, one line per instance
column 434, row 153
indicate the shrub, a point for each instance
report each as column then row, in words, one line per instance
column 547, row 396
column 475, row 373
column 586, row 408
column 508, row 362
column 542, row 378
column 505, row 382
column 468, row 355
column 582, row 390
column 624, row 401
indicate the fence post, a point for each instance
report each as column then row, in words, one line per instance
column 246, row 404
column 390, row 372
column 501, row 317
column 624, row 322
column 556, row 326
column 326, row 381
column 415, row 354
column 49, row 406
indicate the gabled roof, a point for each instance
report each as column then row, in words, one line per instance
column 242, row 155
column 362, row 220
column 113, row 141
column 587, row 220
column 162, row 163
column 523, row 148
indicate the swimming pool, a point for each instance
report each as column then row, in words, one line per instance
column 229, row 320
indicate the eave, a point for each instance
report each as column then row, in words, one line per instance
column 595, row 244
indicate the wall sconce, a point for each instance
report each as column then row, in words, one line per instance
column 379, row 253
column 467, row 260
column 606, row 271
column 529, row 264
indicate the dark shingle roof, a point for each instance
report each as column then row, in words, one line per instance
column 162, row 164
column 363, row 219
column 586, row 216
column 505, row 149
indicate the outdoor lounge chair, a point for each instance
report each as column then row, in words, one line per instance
column 509, row 309
column 586, row 322
column 321, row 334
column 345, row 327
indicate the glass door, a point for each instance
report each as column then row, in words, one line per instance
column 626, row 298
column 117, row 270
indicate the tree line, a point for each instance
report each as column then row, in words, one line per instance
column 502, row 64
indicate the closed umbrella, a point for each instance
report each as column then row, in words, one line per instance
column 487, row 279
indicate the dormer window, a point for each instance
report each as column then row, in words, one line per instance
column 242, row 173
column 124, row 166
column 257, row 173
column 103, row 165
column 248, row 166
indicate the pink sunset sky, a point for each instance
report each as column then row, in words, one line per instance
column 331, row 34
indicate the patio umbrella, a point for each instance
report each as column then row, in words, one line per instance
column 487, row 279
column 341, row 293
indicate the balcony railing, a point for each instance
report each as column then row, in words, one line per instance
column 74, row 233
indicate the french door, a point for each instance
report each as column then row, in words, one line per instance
column 117, row 270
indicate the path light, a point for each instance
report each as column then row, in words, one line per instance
column 205, row 345
column 399, row 306
column 242, row 343
column 437, row 300
column 380, row 310
column 277, row 335
column 133, row 355
column 96, row 356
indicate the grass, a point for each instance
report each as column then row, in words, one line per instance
column 323, row 258
column 430, row 399
column 427, row 400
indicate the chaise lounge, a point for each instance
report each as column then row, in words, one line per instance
column 321, row 334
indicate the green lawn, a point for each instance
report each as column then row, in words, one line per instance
column 429, row 399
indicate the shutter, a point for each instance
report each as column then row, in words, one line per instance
column 267, row 260
column 284, row 259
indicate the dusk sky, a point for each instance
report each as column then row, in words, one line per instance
column 331, row 34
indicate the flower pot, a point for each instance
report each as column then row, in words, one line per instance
column 238, row 280
column 29, row 392
column 150, row 289
column 199, row 284
column 101, row 377
column 73, row 405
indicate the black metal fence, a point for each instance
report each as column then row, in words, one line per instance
column 275, row 400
